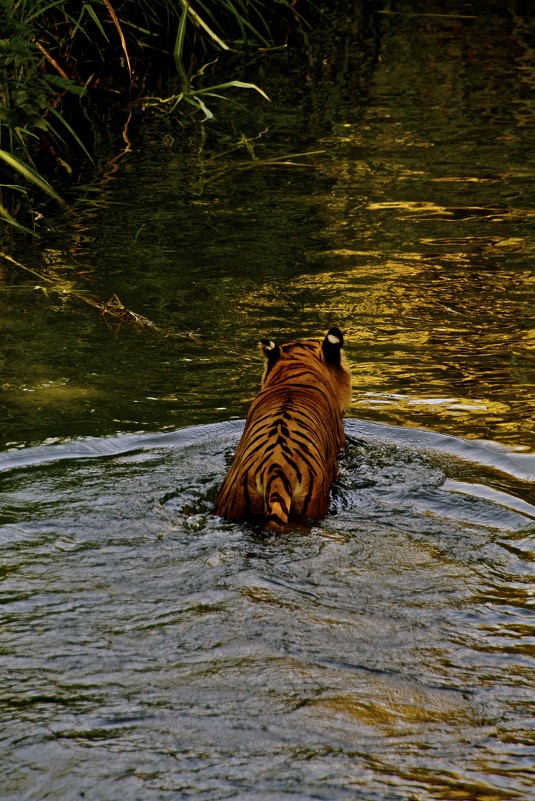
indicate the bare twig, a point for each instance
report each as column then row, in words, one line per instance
column 112, row 310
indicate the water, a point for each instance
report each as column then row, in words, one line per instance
column 151, row 651
column 412, row 231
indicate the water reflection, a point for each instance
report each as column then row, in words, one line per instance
column 409, row 225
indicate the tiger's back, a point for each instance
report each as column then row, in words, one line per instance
column 287, row 458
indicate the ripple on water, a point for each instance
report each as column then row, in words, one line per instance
column 151, row 650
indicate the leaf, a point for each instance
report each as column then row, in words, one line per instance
column 71, row 131
column 179, row 48
column 117, row 24
column 88, row 8
column 30, row 175
column 238, row 84
column 58, row 82
column 208, row 114
column 212, row 34
column 4, row 213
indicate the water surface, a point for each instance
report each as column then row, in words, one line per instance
column 151, row 650
column 410, row 226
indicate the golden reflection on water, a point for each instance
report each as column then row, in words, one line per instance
column 425, row 333
column 441, row 341
column 434, row 274
column 430, row 223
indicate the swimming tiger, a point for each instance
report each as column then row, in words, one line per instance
column 287, row 457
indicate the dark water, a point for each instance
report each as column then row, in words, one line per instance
column 151, row 651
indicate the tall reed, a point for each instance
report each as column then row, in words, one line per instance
column 56, row 56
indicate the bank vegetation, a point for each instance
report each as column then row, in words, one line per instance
column 66, row 65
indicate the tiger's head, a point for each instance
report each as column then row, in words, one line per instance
column 322, row 358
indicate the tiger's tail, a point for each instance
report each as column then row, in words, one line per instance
column 277, row 500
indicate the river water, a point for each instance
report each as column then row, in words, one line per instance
column 151, row 651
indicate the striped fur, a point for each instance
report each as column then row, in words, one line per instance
column 287, row 458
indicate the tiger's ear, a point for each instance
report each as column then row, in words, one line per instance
column 270, row 350
column 332, row 345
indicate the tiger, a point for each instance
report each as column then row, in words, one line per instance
column 287, row 458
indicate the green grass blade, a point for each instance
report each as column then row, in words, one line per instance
column 246, row 24
column 239, row 84
column 30, row 175
column 90, row 11
column 4, row 214
column 204, row 108
column 71, row 131
column 199, row 20
column 36, row 11
column 178, row 51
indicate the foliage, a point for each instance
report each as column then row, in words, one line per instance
column 56, row 56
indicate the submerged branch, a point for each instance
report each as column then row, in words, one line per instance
column 214, row 170
column 112, row 312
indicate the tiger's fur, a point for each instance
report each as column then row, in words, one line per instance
column 287, row 458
